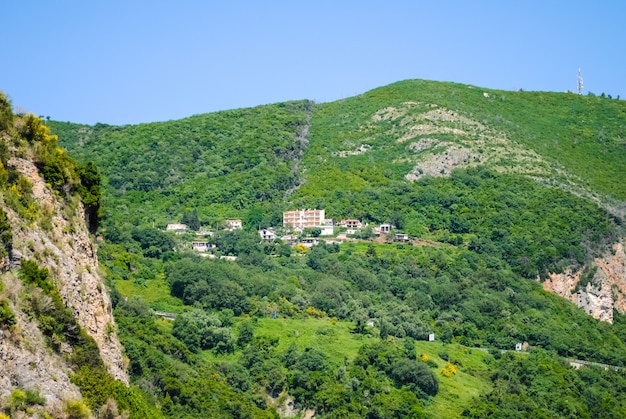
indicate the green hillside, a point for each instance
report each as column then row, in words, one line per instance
column 226, row 163
column 495, row 189
column 221, row 163
column 560, row 138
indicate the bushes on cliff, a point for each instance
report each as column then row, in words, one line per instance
column 61, row 171
column 59, row 325
column 6, row 237
column 56, row 321
column 7, row 317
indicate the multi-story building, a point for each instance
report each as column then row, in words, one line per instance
column 351, row 223
column 300, row 219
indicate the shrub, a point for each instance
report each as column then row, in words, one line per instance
column 33, row 397
column 6, row 236
column 76, row 409
column 7, row 317
column 18, row 399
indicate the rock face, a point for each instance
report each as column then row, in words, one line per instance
column 28, row 364
column 604, row 292
column 61, row 244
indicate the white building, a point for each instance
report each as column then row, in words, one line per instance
column 177, row 228
column 267, row 234
column 233, row 224
column 309, row 241
column 200, row 246
column 327, row 230
column 351, row 224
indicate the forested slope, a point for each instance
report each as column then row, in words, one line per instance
column 504, row 187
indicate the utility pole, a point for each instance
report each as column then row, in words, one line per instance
column 580, row 81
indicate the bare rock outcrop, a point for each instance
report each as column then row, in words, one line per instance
column 64, row 246
column 26, row 361
column 604, row 292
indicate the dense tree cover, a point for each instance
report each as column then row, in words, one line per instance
column 186, row 387
column 455, row 293
column 201, row 330
column 219, row 164
column 533, row 229
column 460, row 294
column 492, row 234
column 541, row 385
column 172, row 376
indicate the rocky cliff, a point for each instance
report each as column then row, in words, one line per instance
column 56, row 238
column 602, row 292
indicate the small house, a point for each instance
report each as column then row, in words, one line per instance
column 384, row 228
column 309, row 241
column 177, row 228
column 327, row 230
column 233, row 224
column 267, row 234
column 200, row 246
column 351, row 224
column 290, row 239
column 401, row 237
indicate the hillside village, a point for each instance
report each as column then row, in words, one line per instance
column 340, row 327
column 306, row 227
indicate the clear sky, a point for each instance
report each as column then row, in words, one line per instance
column 133, row 61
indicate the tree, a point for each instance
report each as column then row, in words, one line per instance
column 201, row 330
column 246, row 334
column 415, row 374
column 314, row 231
column 397, row 219
column 6, row 114
column 191, row 219
column 153, row 241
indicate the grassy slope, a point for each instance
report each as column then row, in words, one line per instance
column 339, row 343
column 582, row 135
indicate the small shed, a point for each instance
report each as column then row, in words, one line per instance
column 401, row 237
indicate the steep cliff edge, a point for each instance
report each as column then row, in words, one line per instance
column 67, row 251
column 602, row 292
column 57, row 333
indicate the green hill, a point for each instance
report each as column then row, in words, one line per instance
column 231, row 161
column 499, row 188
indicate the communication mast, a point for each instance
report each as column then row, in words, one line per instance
column 580, row 81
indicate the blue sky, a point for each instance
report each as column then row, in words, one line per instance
column 133, row 61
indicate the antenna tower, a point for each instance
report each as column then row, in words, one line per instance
column 580, row 81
